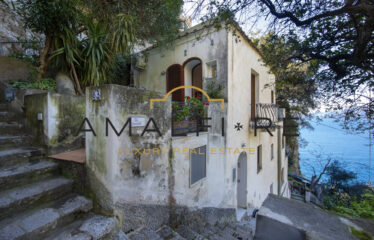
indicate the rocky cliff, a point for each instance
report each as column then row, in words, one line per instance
column 11, row 29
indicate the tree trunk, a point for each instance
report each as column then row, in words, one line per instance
column 43, row 57
column 79, row 90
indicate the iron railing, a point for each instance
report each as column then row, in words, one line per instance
column 262, row 111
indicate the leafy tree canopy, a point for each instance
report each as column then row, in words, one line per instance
column 335, row 36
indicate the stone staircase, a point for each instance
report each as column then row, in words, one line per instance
column 36, row 202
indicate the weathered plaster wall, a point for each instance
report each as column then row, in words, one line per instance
column 138, row 185
column 62, row 115
column 142, row 177
column 243, row 60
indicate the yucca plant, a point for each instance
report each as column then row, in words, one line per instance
column 68, row 54
column 90, row 59
column 97, row 55
column 122, row 34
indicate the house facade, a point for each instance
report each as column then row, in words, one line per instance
column 204, row 57
column 234, row 161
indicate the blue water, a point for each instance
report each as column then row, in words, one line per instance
column 352, row 150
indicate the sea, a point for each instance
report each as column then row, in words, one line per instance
column 329, row 140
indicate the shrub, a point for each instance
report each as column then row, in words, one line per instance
column 43, row 84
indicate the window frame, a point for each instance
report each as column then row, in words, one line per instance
column 259, row 158
column 272, row 152
column 190, row 171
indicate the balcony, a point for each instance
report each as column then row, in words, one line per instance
column 261, row 111
column 265, row 116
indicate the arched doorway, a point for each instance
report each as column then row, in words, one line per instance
column 175, row 78
column 241, row 188
column 193, row 76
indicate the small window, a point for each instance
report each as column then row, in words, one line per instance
column 272, row 151
column 197, row 164
column 282, row 141
column 212, row 69
column 259, row 158
column 272, row 96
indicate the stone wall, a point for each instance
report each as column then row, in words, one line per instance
column 145, row 187
column 129, row 177
column 61, row 118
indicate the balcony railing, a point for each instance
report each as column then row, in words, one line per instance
column 263, row 111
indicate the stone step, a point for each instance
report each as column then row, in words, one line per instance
column 167, row 232
column 7, row 116
column 89, row 227
column 37, row 224
column 11, row 128
column 298, row 197
column 18, row 199
column 227, row 233
column 241, row 233
column 144, row 233
column 8, row 142
column 3, row 106
column 9, row 157
column 188, row 233
column 210, row 232
column 26, row 173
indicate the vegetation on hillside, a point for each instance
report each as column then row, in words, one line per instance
column 86, row 39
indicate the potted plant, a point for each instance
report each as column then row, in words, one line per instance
column 186, row 115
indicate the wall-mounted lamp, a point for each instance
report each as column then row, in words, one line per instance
column 96, row 95
column 163, row 73
column 9, row 94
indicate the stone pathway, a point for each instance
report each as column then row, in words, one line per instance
column 242, row 230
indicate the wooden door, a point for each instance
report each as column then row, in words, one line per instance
column 174, row 78
column 253, row 97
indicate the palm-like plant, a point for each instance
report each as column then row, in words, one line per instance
column 122, row 34
column 94, row 54
column 97, row 55
column 68, row 54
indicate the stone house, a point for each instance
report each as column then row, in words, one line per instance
column 234, row 163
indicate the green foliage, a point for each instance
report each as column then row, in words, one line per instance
column 97, row 55
column 120, row 70
column 43, row 84
column 214, row 90
column 67, row 49
column 338, row 177
column 155, row 21
column 47, row 17
column 362, row 235
column 335, row 37
column 24, row 57
column 361, row 206
column 193, row 108
column 122, row 34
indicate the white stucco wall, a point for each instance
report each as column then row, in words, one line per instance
column 243, row 61
column 197, row 44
